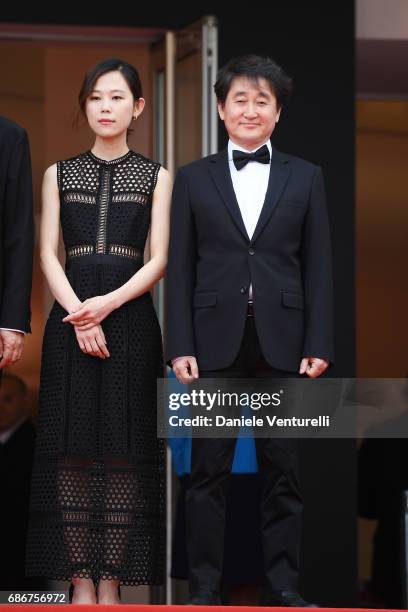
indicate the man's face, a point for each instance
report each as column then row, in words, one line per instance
column 250, row 112
column 12, row 404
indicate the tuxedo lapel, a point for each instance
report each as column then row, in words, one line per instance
column 278, row 176
column 220, row 172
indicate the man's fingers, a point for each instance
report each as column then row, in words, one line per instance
column 183, row 375
column 7, row 357
column 16, row 355
column 193, row 367
column 316, row 368
column 303, row 365
column 185, row 379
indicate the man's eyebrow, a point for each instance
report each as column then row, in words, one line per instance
column 262, row 92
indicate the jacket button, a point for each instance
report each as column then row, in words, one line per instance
column 243, row 290
column 251, row 252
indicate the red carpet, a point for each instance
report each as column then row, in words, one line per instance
column 144, row 608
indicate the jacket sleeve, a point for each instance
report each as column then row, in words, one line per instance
column 317, row 275
column 181, row 273
column 18, row 230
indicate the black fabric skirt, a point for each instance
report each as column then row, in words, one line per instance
column 97, row 495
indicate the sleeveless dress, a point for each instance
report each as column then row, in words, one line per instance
column 97, row 495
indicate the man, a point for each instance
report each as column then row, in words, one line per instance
column 16, row 240
column 17, row 436
column 249, row 295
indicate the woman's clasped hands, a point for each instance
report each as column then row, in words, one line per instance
column 86, row 319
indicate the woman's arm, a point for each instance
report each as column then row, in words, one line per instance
column 49, row 237
column 95, row 309
column 92, row 341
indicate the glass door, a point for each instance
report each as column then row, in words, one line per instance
column 184, row 67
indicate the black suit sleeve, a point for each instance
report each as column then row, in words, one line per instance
column 181, row 272
column 317, row 275
column 18, row 228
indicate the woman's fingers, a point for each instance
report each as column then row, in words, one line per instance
column 95, row 349
column 84, row 326
column 93, row 342
column 102, row 345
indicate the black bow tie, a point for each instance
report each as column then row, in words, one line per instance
column 240, row 158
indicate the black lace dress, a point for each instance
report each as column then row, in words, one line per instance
column 97, row 499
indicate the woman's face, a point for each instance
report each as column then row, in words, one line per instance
column 110, row 107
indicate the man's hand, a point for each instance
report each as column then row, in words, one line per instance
column 186, row 369
column 313, row 366
column 92, row 341
column 12, row 344
column 91, row 312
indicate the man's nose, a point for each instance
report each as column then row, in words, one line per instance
column 250, row 110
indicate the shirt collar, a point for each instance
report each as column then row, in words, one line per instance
column 232, row 145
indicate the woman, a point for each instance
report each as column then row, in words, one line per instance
column 97, row 509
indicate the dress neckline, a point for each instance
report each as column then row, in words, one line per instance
column 109, row 162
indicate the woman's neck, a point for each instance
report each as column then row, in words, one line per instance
column 109, row 149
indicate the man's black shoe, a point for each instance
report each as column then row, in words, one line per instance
column 204, row 598
column 286, row 599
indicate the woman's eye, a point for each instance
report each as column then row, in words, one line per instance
column 94, row 98
column 117, row 98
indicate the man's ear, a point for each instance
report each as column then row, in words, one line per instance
column 220, row 107
column 278, row 114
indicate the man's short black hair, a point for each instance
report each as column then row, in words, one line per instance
column 254, row 67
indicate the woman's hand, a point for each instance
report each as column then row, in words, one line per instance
column 92, row 341
column 92, row 311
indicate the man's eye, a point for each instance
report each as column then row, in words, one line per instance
column 262, row 102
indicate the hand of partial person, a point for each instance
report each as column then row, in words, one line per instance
column 185, row 369
column 12, row 344
column 91, row 312
column 92, row 341
column 313, row 366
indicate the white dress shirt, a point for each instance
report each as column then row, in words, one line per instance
column 250, row 186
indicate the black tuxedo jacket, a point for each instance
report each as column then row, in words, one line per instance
column 16, row 227
column 212, row 262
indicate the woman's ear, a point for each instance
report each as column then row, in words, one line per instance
column 138, row 108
